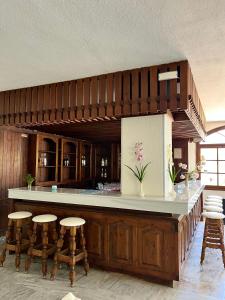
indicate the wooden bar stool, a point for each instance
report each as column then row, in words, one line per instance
column 213, row 233
column 72, row 254
column 15, row 242
column 44, row 248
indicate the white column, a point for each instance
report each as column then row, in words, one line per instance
column 155, row 132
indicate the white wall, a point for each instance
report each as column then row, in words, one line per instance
column 191, row 155
column 213, row 125
column 156, row 134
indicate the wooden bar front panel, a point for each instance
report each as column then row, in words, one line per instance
column 139, row 243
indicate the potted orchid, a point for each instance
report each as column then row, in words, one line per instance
column 140, row 169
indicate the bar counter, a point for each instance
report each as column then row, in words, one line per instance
column 148, row 237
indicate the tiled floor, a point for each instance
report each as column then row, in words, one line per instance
column 197, row 283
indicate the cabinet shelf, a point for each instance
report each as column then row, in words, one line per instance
column 47, row 151
column 46, row 166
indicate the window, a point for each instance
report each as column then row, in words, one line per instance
column 212, row 153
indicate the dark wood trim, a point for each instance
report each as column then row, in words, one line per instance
column 215, row 129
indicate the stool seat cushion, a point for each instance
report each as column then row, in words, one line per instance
column 44, row 218
column 214, row 199
column 73, row 222
column 213, row 215
column 213, row 208
column 20, row 215
column 213, row 203
column 215, row 196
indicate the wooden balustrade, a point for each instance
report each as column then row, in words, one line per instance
column 110, row 96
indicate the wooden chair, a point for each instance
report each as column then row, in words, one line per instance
column 43, row 249
column 72, row 254
column 213, row 233
column 14, row 236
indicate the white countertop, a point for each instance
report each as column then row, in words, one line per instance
column 182, row 204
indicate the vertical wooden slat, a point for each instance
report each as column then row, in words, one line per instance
column 73, row 99
column 102, row 96
column 118, row 93
column 162, row 92
column 12, row 107
column 17, row 107
column 52, row 102
column 109, row 88
column 94, row 92
column 153, row 89
column 173, row 103
column 65, row 100
column 34, row 104
column 40, row 103
column 59, row 102
column 1, row 108
column 144, row 91
column 6, row 107
column 22, row 106
column 126, row 93
column 28, row 105
column 135, row 93
column 183, row 85
column 79, row 115
column 46, row 103
column 86, row 98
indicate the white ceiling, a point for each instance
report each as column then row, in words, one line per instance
column 44, row 41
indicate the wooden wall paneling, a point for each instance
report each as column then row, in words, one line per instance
column 109, row 92
column 94, row 97
column 34, row 104
column 153, row 89
column 183, row 85
column 163, row 92
column 65, row 100
column 1, row 108
column 80, row 102
column 59, row 102
column 144, row 91
column 28, row 105
column 52, row 102
column 40, row 103
column 73, row 99
column 102, row 96
column 86, row 98
column 135, row 93
column 46, row 103
column 126, row 93
column 118, row 93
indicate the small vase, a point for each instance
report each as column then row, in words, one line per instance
column 173, row 193
column 141, row 192
column 29, row 186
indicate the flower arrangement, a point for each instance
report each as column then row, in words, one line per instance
column 140, row 170
column 29, row 180
column 190, row 175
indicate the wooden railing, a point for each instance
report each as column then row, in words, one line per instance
column 110, row 96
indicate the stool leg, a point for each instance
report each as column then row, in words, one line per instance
column 203, row 244
column 59, row 247
column 8, row 237
column 222, row 241
column 44, row 249
column 33, row 238
column 18, row 244
column 72, row 249
column 83, row 243
column 54, row 233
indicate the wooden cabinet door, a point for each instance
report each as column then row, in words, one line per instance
column 96, row 238
column 121, row 242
